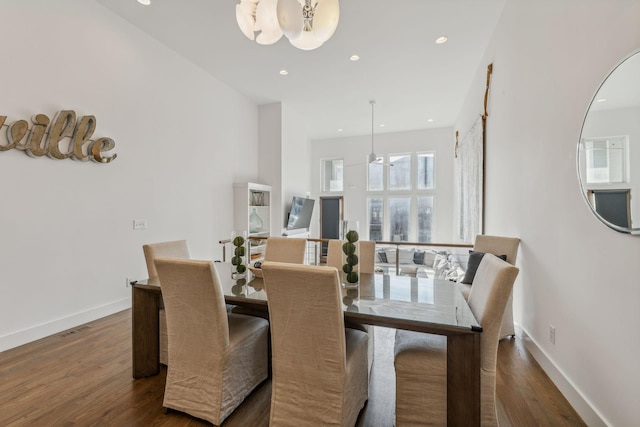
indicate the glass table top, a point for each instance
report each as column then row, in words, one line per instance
column 398, row 298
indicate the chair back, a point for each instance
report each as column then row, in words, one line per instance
column 488, row 298
column 285, row 249
column 498, row 245
column 173, row 249
column 197, row 322
column 308, row 341
column 366, row 257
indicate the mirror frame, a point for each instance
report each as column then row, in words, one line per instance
column 583, row 190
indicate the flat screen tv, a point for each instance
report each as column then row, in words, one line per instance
column 300, row 213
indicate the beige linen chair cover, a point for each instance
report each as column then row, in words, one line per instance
column 216, row 358
column 421, row 359
column 285, row 249
column 319, row 367
column 498, row 245
column 366, row 264
column 173, row 249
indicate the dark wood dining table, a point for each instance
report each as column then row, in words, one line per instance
column 425, row 305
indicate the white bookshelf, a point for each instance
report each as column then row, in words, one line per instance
column 252, row 199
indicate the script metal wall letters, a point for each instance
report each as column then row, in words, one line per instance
column 67, row 138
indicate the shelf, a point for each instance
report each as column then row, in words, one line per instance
column 248, row 198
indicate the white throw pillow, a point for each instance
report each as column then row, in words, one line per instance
column 406, row 256
column 391, row 256
column 429, row 258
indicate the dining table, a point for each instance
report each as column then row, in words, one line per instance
column 427, row 305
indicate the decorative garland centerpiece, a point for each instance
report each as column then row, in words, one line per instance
column 239, row 259
column 350, row 252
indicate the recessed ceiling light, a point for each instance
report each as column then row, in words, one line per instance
column 441, row 40
column 145, row 2
column 601, row 100
column 354, row 58
column 283, row 72
column 429, row 120
column 340, row 130
column 382, row 125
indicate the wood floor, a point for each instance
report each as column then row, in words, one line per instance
column 82, row 377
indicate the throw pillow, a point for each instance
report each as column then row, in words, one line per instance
column 439, row 259
column 391, row 255
column 405, row 256
column 418, row 257
column 429, row 257
column 473, row 264
column 440, row 266
column 455, row 271
column 383, row 257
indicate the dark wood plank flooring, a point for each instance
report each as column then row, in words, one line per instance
column 82, row 377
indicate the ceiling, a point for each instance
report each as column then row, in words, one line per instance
column 411, row 78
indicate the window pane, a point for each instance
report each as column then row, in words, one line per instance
column 425, row 171
column 399, row 214
column 400, row 172
column 425, row 219
column 376, row 175
column 605, row 160
column 376, row 217
column 332, row 175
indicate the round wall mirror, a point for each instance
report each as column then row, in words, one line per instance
column 609, row 149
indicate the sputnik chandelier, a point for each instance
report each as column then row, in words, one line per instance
column 306, row 23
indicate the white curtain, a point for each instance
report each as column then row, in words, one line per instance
column 469, row 176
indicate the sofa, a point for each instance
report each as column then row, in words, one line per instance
column 439, row 263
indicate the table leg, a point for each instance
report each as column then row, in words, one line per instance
column 145, row 332
column 463, row 380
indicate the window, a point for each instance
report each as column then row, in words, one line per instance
column 400, row 172
column 401, row 198
column 606, row 160
column 399, row 214
column 375, row 217
column 331, row 171
column 376, row 177
column 425, row 219
column 425, row 172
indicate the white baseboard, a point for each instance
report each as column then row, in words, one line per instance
column 18, row 338
column 582, row 406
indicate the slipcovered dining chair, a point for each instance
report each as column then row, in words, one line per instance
column 498, row 246
column 285, row 249
column 366, row 264
column 421, row 359
column 280, row 249
column 216, row 358
column 173, row 249
column 319, row 367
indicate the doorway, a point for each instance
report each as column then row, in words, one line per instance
column 330, row 217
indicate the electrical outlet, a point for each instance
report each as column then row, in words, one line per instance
column 128, row 281
column 552, row 334
column 139, row 224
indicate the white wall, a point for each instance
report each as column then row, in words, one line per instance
column 354, row 151
column 549, row 59
column 182, row 139
column 283, row 159
column 270, row 159
column 295, row 161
